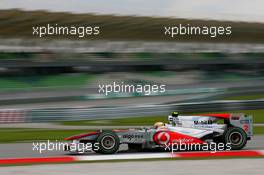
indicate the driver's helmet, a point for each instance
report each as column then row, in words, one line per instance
column 175, row 114
column 158, row 124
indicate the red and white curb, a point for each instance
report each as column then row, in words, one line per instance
column 96, row 157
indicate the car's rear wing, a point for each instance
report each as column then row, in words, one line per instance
column 243, row 121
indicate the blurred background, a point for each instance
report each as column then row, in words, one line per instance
column 50, row 84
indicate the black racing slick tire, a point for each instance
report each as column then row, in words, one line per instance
column 236, row 137
column 108, row 142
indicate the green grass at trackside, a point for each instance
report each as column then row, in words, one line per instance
column 26, row 135
column 61, row 80
column 258, row 117
column 257, row 130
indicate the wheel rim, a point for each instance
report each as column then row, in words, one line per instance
column 236, row 138
column 108, row 142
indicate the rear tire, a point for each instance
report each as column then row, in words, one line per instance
column 108, row 142
column 236, row 137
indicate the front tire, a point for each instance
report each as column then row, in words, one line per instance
column 236, row 137
column 108, row 142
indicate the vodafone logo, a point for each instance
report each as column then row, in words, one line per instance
column 163, row 138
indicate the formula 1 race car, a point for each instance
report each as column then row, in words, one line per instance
column 232, row 129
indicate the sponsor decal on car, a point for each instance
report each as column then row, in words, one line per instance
column 132, row 136
column 163, row 138
column 205, row 122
